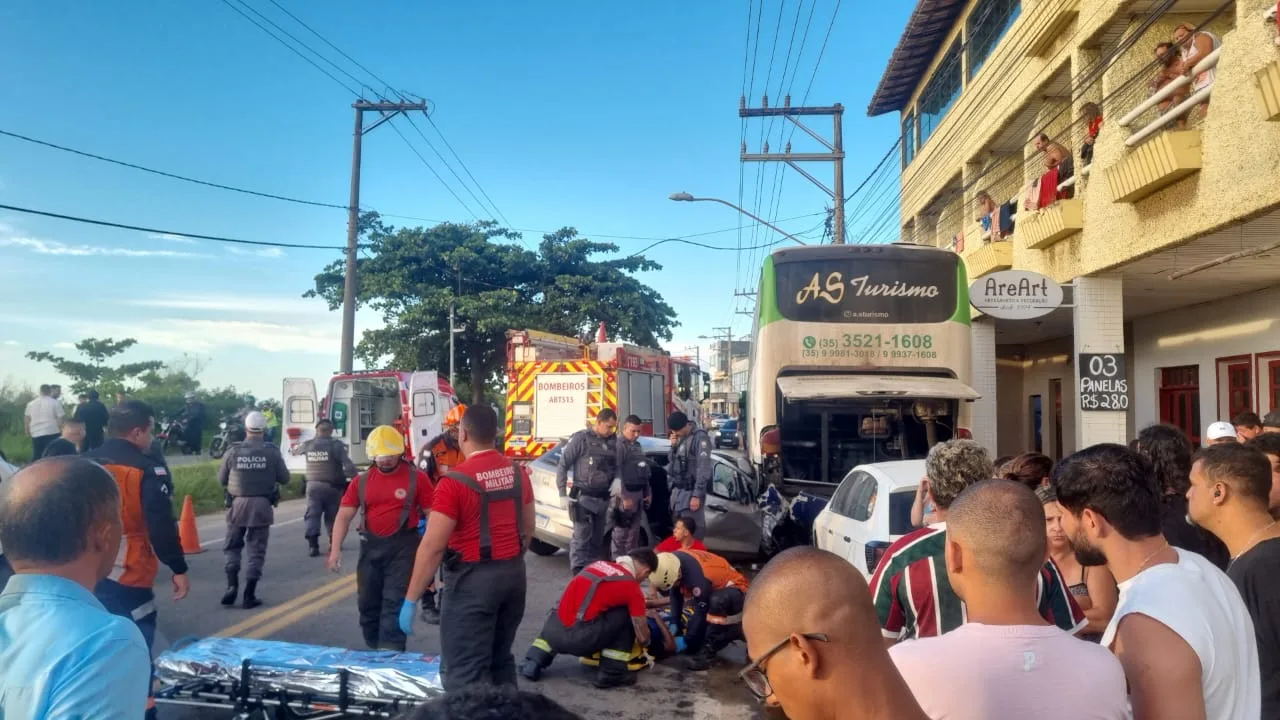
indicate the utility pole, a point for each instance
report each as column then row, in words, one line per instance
column 452, row 330
column 835, row 146
column 388, row 110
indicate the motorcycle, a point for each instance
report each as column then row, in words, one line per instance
column 174, row 435
column 230, row 430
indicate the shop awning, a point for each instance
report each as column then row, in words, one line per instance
column 840, row 387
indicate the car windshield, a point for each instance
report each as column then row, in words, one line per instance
column 729, row 425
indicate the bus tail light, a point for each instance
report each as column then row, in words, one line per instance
column 875, row 550
column 771, row 442
column 964, row 434
column 294, row 433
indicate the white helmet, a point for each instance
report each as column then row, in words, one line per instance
column 667, row 572
column 255, row 422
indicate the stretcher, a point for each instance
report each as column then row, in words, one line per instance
column 269, row 679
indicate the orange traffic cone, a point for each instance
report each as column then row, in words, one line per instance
column 187, row 531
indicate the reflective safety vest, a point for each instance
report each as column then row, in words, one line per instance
column 514, row 493
column 595, row 585
column 409, row 501
column 136, row 563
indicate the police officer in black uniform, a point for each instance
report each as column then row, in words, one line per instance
column 593, row 455
column 635, row 495
column 329, row 469
column 689, row 470
column 252, row 473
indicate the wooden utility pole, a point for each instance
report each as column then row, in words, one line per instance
column 835, row 146
column 387, row 110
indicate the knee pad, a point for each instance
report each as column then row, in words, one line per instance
column 637, row 660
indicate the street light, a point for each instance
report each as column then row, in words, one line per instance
column 686, row 197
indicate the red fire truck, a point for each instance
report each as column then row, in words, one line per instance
column 556, row 385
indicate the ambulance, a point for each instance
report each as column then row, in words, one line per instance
column 356, row 403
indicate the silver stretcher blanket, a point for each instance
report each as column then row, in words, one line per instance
column 276, row 666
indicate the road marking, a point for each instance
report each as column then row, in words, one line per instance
column 311, row 608
column 268, row 615
column 215, row 541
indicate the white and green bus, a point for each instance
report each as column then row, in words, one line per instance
column 859, row 354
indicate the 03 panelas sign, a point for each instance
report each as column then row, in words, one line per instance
column 1015, row 295
column 559, row 404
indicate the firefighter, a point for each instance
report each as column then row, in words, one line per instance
column 717, row 592
column 392, row 495
column 601, row 611
column 251, row 474
column 634, row 496
column 438, row 456
column 592, row 454
column 150, row 530
column 480, row 527
column 329, row 469
column 689, row 470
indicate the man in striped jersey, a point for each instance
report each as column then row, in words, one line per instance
column 913, row 597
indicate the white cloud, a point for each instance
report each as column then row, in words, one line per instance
column 266, row 252
column 277, row 306
column 205, row 335
column 54, row 247
column 64, row 346
column 170, row 237
column 11, row 343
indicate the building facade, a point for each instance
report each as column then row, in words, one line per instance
column 1153, row 202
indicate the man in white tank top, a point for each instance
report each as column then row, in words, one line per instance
column 1180, row 630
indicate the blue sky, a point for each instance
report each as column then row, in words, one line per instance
column 568, row 113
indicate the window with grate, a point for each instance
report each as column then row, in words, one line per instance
column 941, row 92
column 988, row 22
column 908, row 138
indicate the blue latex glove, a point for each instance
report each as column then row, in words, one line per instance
column 407, row 612
column 675, row 630
column 680, row 645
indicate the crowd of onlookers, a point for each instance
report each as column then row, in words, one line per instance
column 1124, row 581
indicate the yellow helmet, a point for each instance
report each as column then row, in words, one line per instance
column 384, row 441
column 667, row 572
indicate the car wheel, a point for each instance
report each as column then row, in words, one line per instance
column 543, row 549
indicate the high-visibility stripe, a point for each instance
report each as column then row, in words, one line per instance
column 542, row 645
column 143, row 610
column 618, row 655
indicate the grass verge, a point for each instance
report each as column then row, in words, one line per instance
column 200, row 481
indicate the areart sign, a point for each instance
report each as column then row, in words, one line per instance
column 1015, row 295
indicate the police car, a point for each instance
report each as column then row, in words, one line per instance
column 733, row 518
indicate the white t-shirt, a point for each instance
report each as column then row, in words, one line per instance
column 1199, row 602
column 1012, row 672
column 45, row 414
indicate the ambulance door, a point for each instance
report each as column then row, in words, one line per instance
column 426, row 409
column 301, row 411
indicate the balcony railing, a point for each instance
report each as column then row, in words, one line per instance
column 1209, row 62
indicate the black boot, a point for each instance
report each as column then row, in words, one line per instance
column 700, row 662
column 605, row 681
column 251, row 600
column 530, row 670
column 233, row 588
column 430, row 613
column 314, row 542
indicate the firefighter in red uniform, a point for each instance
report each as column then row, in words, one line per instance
column 393, row 495
column 717, row 591
column 150, row 531
column 601, row 611
column 480, row 526
column 439, row 455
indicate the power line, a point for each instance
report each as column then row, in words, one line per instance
column 449, row 167
column 335, row 47
column 295, row 51
column 433, row 170
column 310, row 49
column 195, row 236
column 465, row 169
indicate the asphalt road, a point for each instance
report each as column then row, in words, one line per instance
column 307, row 604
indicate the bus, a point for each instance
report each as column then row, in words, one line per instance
column 859, row 354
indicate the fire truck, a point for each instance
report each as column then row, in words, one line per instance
column 557, row 384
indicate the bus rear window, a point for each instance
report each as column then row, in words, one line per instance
column 900, row 502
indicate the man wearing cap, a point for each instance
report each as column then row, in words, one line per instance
column 717, row 591
column 592, row 455
column 602, row 610
column 392, row 494
column 633, row 494
column 252, row 472
column 1220, row 433
column 689, row 470
column 329, row 469
column 193, row 434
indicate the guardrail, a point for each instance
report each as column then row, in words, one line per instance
column 1209, row 62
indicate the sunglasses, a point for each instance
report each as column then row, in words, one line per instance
column 755, row 676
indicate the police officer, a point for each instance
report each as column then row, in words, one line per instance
column 329, row 468
column 438, row 456
column 193, row 433
column 146, row 509
column 717, row 591
column 593, row 455
column 689, row 471
column 480, row 526
column 602, row 610
column 634, row 496
column 393, row 494
column 252, row 473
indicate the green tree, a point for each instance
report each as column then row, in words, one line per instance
column 95, row 373
column 413, row 275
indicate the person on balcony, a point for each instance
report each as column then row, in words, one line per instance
column 1092, row 116
column 1059, row 168
column 1194, row 46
